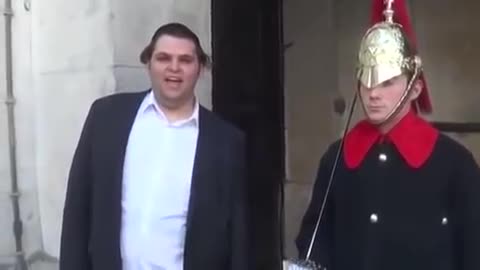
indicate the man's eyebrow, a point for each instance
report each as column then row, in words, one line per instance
column 185, row 55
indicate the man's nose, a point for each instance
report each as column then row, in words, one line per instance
column 174, row 65
column 374, row 93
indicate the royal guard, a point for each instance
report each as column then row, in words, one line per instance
column 394, row 193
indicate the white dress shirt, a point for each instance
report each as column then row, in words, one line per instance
column 156, row 188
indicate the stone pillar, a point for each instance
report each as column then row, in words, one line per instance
column 310, row 88
column 448, row 38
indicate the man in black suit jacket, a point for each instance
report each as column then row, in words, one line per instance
column 157, row 181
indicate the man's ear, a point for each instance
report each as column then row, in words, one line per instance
column 416, row 89
column 201, row 68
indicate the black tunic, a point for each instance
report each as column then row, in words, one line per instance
column 386, row 215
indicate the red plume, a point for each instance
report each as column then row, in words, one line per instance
column 402, row 17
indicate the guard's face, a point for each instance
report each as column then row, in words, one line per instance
column 379, row 101
column 174, row 68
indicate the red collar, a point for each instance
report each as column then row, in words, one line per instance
column 413, row 137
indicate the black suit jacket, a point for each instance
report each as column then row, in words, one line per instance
column 216, row 223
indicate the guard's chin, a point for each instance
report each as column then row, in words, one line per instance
column 376, row 117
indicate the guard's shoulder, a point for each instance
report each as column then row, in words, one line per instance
column 330, row 154
column 449, row 146
column 332, row 149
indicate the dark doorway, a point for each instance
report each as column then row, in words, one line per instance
column 248, row 91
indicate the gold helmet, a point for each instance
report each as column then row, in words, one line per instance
column 388, row 50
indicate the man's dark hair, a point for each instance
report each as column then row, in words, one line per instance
column 177, row 30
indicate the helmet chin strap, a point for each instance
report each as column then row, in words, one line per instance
column 393, row 113
column 400, row 104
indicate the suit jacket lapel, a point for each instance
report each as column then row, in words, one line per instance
column 121, row 125
column 120, row 134
column 204, row 159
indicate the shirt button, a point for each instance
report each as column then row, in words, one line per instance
column 373, row 218
column 444, row 221
column 382, row 157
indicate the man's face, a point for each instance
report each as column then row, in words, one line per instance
column 174, row 68
column 382, row 99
